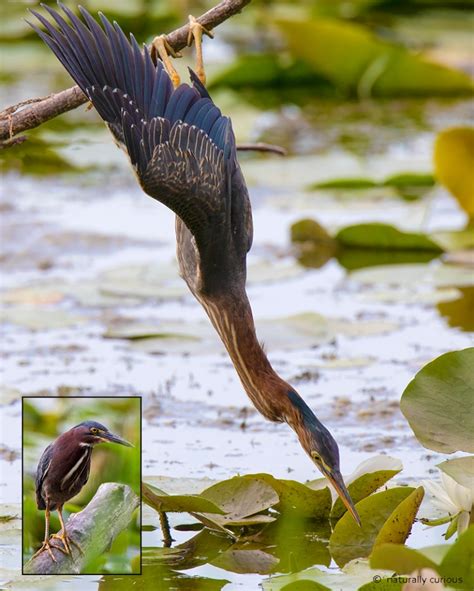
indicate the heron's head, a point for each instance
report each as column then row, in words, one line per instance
column 92, row 433
column 321, row 446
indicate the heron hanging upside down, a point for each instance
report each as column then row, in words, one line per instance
column 183, row 152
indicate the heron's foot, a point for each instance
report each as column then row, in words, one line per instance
column 160, row 47
column 67, row 542
column 46, row 546
column 196, row 31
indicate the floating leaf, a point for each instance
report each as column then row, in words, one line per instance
column 242, row 498
column 40, row 319
column 454, row 164
column 356, row 575
column 354, row 183
column 362, row 487
column 404, row 181
column 458, row 563
column 398, row 526
column 264, row 70
column 135, row 331
column 355, row 60
column 399, row 558
column 384, row 236
column 240, row 560
column 438, row 403
column 349, row 541
column 309, row 230
column 160, row 501
column 461, row 470
column 297, row 498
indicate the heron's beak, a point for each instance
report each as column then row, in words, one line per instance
column 112, row 438
column 335, row 478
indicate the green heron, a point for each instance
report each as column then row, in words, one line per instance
column 63, row 470
column 184, row 154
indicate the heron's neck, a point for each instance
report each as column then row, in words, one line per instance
column 232, row 318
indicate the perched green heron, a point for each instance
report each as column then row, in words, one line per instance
column 63, row 470
column 184, row 154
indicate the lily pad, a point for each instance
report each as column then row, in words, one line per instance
column 361, row 488
column 35, row 318
column 299, row 499
column 385, row 237
column 458, row 563
column 309, row 230
column 398, row 526
column 351, row 57
column 453, row 160
column 161, row 501
column 400, row 559
column 349, row 541
column 438, row 403
column 461, row 470
column 355, row 575
column 243, row 498
column 243, row 560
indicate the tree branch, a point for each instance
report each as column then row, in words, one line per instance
column 32, row 113
column 94, row 529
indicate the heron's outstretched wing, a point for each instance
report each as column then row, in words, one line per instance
column 180, row 144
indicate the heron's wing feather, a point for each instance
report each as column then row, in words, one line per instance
column 41, row 472
column 179, row 143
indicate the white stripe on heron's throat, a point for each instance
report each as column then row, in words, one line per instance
column 227, row 332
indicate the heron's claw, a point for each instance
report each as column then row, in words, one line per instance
column 67, row 541
column 48, row 547
column 160, row 47
column 196, row 31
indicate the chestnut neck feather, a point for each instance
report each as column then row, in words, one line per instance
column 231, row 316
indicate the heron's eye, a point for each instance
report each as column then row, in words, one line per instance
column 94, row 430
column 315, row 456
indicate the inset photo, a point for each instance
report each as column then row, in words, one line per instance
column 81, row 485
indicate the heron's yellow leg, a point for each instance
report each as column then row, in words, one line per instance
column 65, row 539
column 46, row 545
column 161, row 47
column 196, row 31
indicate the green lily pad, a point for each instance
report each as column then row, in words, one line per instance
column 243, row 498
column 458, row 310
column 361, row 488
column 355, row 575
column 135, row 331
column 453, row 157
column 264, row 70
column 403, row 181
column 438, row 403
column 461, row 470
column 349, row 541
column 458, row 563
column 398, row 526
column 161, row 501
column 400, row 559
column 299, row 499
column 309, row 230
column 240, row 560
column 351, row 57
column 385, row 237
